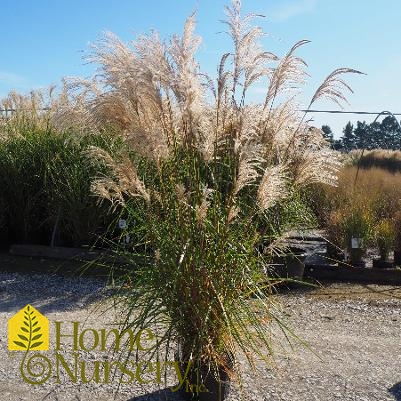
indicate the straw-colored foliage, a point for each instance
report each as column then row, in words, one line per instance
column 373, row 188
column 385, row 235
column 372, row 192
column 155, row 94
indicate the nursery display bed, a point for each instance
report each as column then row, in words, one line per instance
column 55, row 252
column 27, row 264
column 335, row 273
column 78, row 261
column 319, row 268
column 60, row 260
column 357, row 274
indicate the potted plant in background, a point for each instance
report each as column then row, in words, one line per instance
column 289, row 263
column 335, row 237
column 287, row 257
column 356, row 225
column 385, row 235
column 203, row 176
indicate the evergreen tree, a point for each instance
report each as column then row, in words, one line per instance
column 390, row 134
column 348, row 138
column 337, row 145
column 363, row 136
column 376, row 135
column 327, row 133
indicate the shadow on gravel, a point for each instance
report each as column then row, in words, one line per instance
column 49, row 292
column 160, row 395
column 396, row 391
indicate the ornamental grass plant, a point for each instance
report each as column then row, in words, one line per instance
column 45, row 181
column 214, row 176
column 385, row 234
column 210, row 180
column 376, row 193
column 45, row 175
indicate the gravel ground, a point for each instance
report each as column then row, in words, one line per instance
column 352, row 331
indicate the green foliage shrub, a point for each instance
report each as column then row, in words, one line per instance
column 45, row 181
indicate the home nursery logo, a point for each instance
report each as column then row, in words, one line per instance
column 28, row 331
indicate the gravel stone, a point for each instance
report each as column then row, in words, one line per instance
column 347, row 347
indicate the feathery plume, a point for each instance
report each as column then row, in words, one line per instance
column 249, row 167
column 317, row 163
column 273, row 186
column 233, row 213
column 123, row 180
column 333, row 87
column 288, row 73
column 202, row 208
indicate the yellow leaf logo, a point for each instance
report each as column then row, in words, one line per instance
column 28, row 330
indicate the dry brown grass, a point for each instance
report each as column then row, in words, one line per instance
column 376, row 194
column 387, row 159
column 375, row 187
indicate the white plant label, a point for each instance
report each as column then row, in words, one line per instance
column 356, row 243
column 122, row 224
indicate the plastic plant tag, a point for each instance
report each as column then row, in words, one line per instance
column 356, row 243
column 122, row 224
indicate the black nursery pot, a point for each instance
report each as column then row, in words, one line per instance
column 356, row 257
column 204, row 384
column 397, row 258
column 290, row 265
column 382, row 264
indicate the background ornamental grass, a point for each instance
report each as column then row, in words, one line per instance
column 45, row 181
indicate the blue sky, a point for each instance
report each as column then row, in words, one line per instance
column 45, row 40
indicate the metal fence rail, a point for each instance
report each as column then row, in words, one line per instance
column 5, row 113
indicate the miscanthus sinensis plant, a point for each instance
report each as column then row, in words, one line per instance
column 210, row 172
column 21, row 114
column 45, row 178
